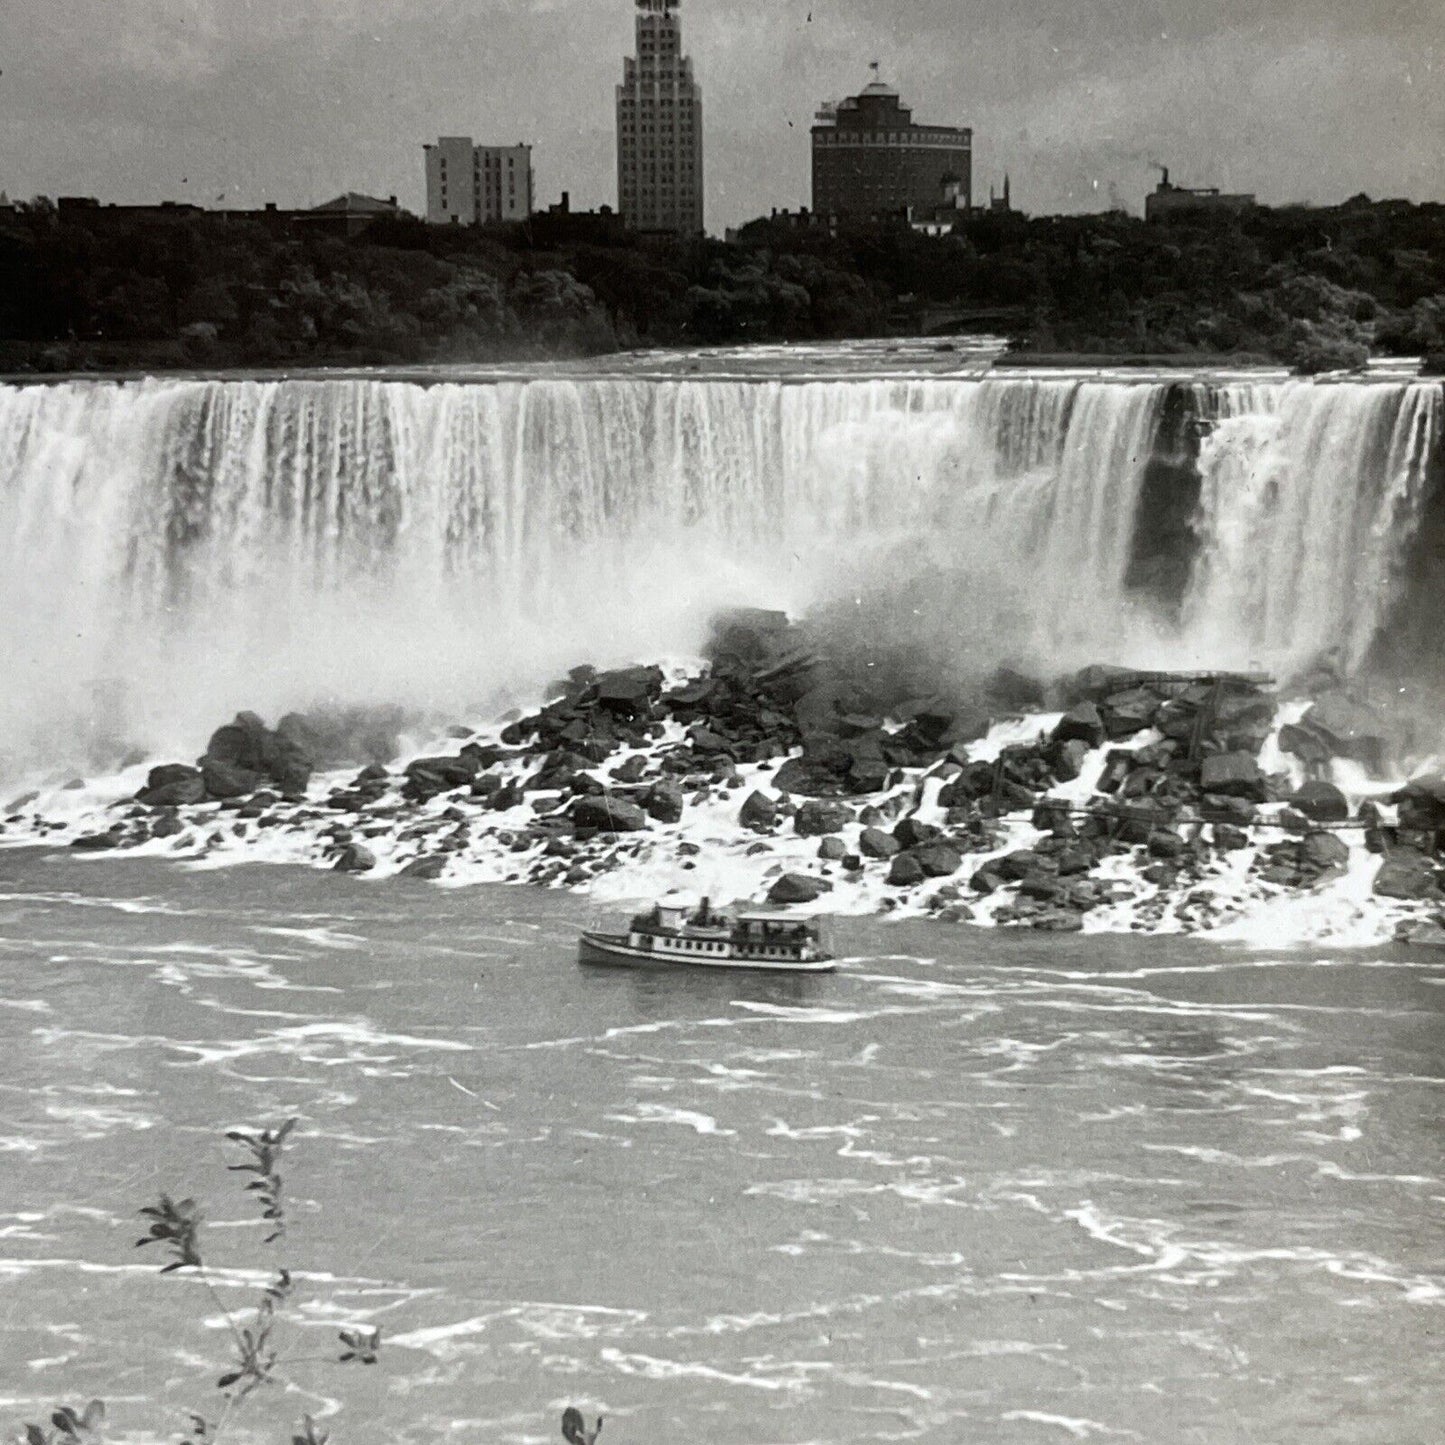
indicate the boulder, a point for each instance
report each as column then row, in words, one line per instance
column 808, row 779
column 1350, row 729
column 354, row 858
column 1422, row 802
column 631, row 771
column 663, row 802
column 1081, row 723
column 938, row 860
column 868, row 775
column 427, row 869
column 227, row 780
column 798, row 888
column 629, row 690
column 1408, row 875
column 911, row 833
column 172, row 786
column 907, row 871
column 832, row 849
column 1067, row 758
column 1321, row 802
column 1126, row 713
column 1021, row 863
column 608, row 815
column 1233, row 775
column 759, row 812
column 875, row 843
column 1323, row 851
column 1058, row 920
column 815, row 818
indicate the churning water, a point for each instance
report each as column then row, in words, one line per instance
column 975, row 1186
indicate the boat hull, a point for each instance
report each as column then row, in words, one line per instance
column 610, row 950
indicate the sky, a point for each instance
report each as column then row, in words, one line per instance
column 238, row 102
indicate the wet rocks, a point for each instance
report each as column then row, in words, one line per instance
column 1407, row 874
column 172, row 785
column 1233, row 775
column 354, row 858
column 1321, row 802
column 759, row 812
column 798, row 888
column 875, row 843
column 608, row 815
column 663, row 802
column 814, row 819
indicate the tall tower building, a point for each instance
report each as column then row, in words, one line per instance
column 469, row 185
column 659, row 128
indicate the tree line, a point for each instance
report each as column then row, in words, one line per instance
column 1313, row 288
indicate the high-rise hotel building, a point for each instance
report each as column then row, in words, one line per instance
column 872, row 160
column 469, row 185
column 659, row 128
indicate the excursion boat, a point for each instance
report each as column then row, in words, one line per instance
column 672, row 937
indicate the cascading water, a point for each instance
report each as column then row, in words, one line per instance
column 1310, row 494
column 176, row 550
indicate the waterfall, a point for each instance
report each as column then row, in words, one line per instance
column 178, row 549
column 1309, row 497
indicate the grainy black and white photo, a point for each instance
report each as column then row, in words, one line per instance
column 722, row 721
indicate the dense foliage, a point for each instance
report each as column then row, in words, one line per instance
column 1316, row 288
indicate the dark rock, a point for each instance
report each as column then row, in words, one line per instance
column 1020, row 864
column 911, row 833
column 1117, row 767
column 1324, row 851
column 629, row 690
column 1409, row 875
column 1067, row 758
column 631, row 771
column 1229, row 839
column 874, row 843
column 228, row 780
column 987, row 880
column 1165, row 843
column 798, row 888
column 759, row 812
column 1162, row 875
column 808, row 779
column 167, row 826
column 608, row 815
column 869, row 776
column 1350, row 729
column 832, row 849
column 814, row 819
column 1422, row 803
column 1322, row 802
column 172, row 786
column 938, row 860
column 1082, row 723
column 354, row 858
column 663, row 803
column 1234, row 775
column 99, row 842
column 906, row 871
column 1078, row 857
column 1126, row 713
column 428, row 869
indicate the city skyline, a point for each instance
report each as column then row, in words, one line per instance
column 245, row 101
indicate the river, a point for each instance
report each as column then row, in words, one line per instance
column 975, row 1186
